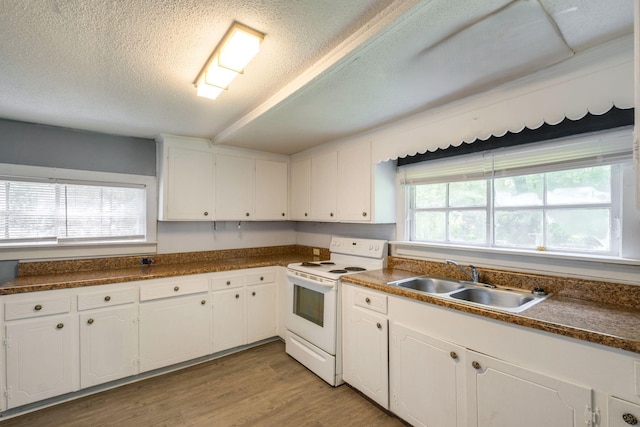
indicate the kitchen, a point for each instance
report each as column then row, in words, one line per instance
column 333, row 86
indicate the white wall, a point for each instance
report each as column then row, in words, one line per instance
column 201, row 236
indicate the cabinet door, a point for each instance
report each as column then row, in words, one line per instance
column 228, row 319
column 234, row 187
column 262, row 321
column 189, row 185
column 426, row 379
column 272, row 193
column 365, row 354
column 505, row 395
column 174, row 330
column 108, row 345
column 300, row 206
column 42, row 359
column 354, row 183
column 324, row 175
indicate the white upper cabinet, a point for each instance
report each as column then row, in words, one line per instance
column 354, row 183
column 300, row 203
column 324, row 175
column 235, row 186
column 271, row 192
column 342, row 185
column 185, row 170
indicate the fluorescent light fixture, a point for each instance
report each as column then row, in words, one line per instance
column 238, row 46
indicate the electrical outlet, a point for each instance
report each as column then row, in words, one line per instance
column 147, row 261
column 316, row 252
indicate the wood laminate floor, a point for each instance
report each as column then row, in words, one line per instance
column 262, row 386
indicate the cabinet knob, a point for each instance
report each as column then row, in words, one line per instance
column 237, row 296
column 367, row 300
column 331, row 214
column 206, row 214
column 37, row 307
column 379, row 325
column 60, row 325
column 246, row 214
column 364, row 214
column 261, row 278
column 476, row 365
column 306, row 214
column 107, row 298
column 630, row 419
column 203, row 302
column 253, row 294
column 228, row 282
column 176, row 288
column 90, row 321
column 283, row 214
column 453, row 355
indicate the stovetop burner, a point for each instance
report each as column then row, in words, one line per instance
column 310, row 264
column 355, row 269
column 340, row 271
column 328, row 263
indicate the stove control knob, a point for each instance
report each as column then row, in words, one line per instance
column 370, row 247
column 377, row 247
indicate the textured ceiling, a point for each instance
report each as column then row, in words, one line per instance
column 327, row 69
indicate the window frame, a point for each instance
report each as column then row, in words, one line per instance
column 84, row 248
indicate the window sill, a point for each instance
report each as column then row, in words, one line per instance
column 69, row 250
column 624, row 270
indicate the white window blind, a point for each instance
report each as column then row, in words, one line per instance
column 602, row 148
column 50, row 211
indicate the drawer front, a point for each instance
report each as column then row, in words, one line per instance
column 372, row 301
column 36, row 308
column 623, row 413
column 172, row 288
column 107, row 298
column 259, row 277
column 227, row 281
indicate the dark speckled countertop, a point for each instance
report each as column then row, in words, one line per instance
column 50, row 275
column 612, row 325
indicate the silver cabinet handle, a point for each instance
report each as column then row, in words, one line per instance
column 453, row 355
column 475, row 365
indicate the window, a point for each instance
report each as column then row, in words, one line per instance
column 37, row 212
column 565, row 196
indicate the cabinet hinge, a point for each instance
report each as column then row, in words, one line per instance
column 7, row 393
column 6, row 342
column 591, row 417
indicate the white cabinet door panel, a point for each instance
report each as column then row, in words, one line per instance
column 262, row 320
column 354, row 183
column 189, row 181
column 42, row 359
column 324, row 175
column 271, row 190
column 300, row 203
column 234, row 187
column 173, row 330
column 228, row 319
column 108, row 345
column 505, row 395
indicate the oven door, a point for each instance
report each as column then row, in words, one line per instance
column 312, row 310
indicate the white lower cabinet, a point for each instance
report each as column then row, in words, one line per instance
column 228, row 319
column 41, row 358
column 503, row 395
column 108, row 344
column 174, row 330
column 365, row 347
column 261, row 312
column 622, row 413
column 426, row 378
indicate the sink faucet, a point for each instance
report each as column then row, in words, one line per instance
column 473, row 274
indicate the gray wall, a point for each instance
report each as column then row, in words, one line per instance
column 40, row 145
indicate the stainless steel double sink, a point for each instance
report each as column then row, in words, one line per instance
column 473, row 293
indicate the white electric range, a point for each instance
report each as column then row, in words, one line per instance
column 313, row 318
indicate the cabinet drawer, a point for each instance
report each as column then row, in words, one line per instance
column 258, row 277
column 172, row 288
column 226, row 281
column 622, row 413
column 106, row 298
column 372, row 301
column 36, row 308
